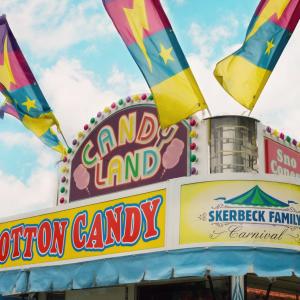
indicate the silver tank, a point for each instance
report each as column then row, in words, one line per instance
column 233, row 146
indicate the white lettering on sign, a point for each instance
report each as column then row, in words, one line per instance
column 286, row 159
column 281, row 160
column 279, row 170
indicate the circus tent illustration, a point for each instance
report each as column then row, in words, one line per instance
column 256, row 197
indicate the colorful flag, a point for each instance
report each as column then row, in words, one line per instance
column 245, row 73
column 24, row 99
column 147, row 32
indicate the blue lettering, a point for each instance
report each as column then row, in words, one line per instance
column 233, row 214
column 225, row 216
column 219, row 216
column 248, row 215
column 211, row 216
column 241, row 216
column 271, row 216
column 261, row 216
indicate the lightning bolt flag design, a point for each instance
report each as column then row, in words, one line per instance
column 245, row 73
column 148, row 35
column 6, row 75
column 138, row 22
column 24, row 99
column 272, row 8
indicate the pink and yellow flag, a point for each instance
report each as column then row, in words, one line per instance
column 245, row 73
column 24, row 98
column 147, row 32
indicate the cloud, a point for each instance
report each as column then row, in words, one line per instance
column 38, row 190
column 76, row 94
column 209, row 41
column 125, row 84
column 29, row 142
column 73, row 94
column 48, row 27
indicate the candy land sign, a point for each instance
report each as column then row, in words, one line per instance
column 128, row 149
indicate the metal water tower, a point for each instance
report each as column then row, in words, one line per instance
column 233, row 144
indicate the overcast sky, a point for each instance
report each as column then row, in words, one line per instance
column 82, row 66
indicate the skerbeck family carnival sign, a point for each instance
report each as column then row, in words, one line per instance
column 241, row 213
column 135, row 223
column 126, row 149
column 281, row 160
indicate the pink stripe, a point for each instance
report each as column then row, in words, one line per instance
column 156, row 17
column 20, row 69
column 261, row 6
column 289, row 18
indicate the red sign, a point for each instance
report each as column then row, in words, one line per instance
column 281, row 160
column 128, row 149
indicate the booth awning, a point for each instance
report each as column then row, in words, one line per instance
column 165, row 265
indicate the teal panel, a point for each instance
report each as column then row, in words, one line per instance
column 218, row 261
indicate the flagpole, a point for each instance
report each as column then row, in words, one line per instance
column 209, row 113
column 63, row 137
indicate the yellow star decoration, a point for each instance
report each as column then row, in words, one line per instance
column 165, row 54
column 29, row 104
column 270, row 45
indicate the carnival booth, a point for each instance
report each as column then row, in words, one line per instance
column 205, row 209
column 202, row 209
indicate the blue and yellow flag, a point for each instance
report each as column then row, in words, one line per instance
column 245, row 73
column 24, row 99
column 147, row 32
